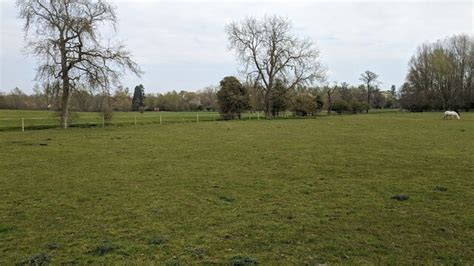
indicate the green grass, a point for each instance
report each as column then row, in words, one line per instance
column 12, row 119
column 276, row 192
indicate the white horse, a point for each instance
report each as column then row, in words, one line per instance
column 451, row 114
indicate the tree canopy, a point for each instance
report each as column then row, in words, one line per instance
column 440, row 75
column 138, row 100
column 66, row 37
column 232, row 98
column 269, row 50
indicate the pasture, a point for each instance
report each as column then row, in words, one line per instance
column 13, row 119
column 296, row 191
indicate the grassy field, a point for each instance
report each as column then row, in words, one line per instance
column 273, row 192
column 12, row 119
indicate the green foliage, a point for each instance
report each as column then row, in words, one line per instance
column 138, row 100
column 319, row 102
column 203, row 100
column 121, row 100
column 305, row 101
column 351, row 99
column 280, row 97
column 233, row 98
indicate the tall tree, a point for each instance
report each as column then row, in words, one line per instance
column 65, row 35
column 138, row 100
column 330, row 95
column 269, row 50
column 370, row 80
column 440, row 75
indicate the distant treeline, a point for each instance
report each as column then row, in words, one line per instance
column 121, row 99
column 341, row 98
column 440, row 76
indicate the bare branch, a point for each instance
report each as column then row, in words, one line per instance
column 268, row 50
column 64, row 35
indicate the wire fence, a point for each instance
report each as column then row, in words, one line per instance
column 134, row 119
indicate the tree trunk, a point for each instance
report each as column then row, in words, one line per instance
column 65, row 104
column 368, row 99
column 329, row 103
column 65, row 78
column 268, row 104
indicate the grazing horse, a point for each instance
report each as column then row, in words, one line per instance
column 451, row 114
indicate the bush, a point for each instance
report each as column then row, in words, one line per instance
column 232, row 98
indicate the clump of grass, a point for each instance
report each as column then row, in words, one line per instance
column 173, row 262
column 442, row 189
column 227, row 199
column 241, row 260
column 198, row 252
column 52, row 246
column 4, row 229
column 158, row 240
column 36, row 259
column 400, row 197
column 102, row 249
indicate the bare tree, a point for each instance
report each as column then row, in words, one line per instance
column 269, row 50
column 330, row 93
column 65, row 35
column 440, row 75
column 370, row 80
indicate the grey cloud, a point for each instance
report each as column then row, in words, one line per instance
column 182, row 45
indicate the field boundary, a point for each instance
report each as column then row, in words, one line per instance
column 93, row 119
column 45, row 122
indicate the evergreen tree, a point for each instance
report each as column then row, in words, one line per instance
column 232, row 98
column 138, row 98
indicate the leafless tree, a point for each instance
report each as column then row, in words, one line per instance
column 66, row 36
column 370, row 80
column 269, row 50
column 330, row 93
column 440, row 75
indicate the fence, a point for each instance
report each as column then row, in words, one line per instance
column 133, row 119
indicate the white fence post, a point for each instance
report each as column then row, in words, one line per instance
column 160, row 120
column 135, row 120
column 103, row 120
column 22, row 124
column 197, row 117
column 258, row 115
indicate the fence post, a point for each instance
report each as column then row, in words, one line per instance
column 103, row 120
column 135, row 120
column 160, row 120
column 214, row 117
column 197, row 117
column 65, row 123
column 22, row 124
column 258, row 115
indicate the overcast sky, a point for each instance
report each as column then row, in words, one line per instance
column 181, row 45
